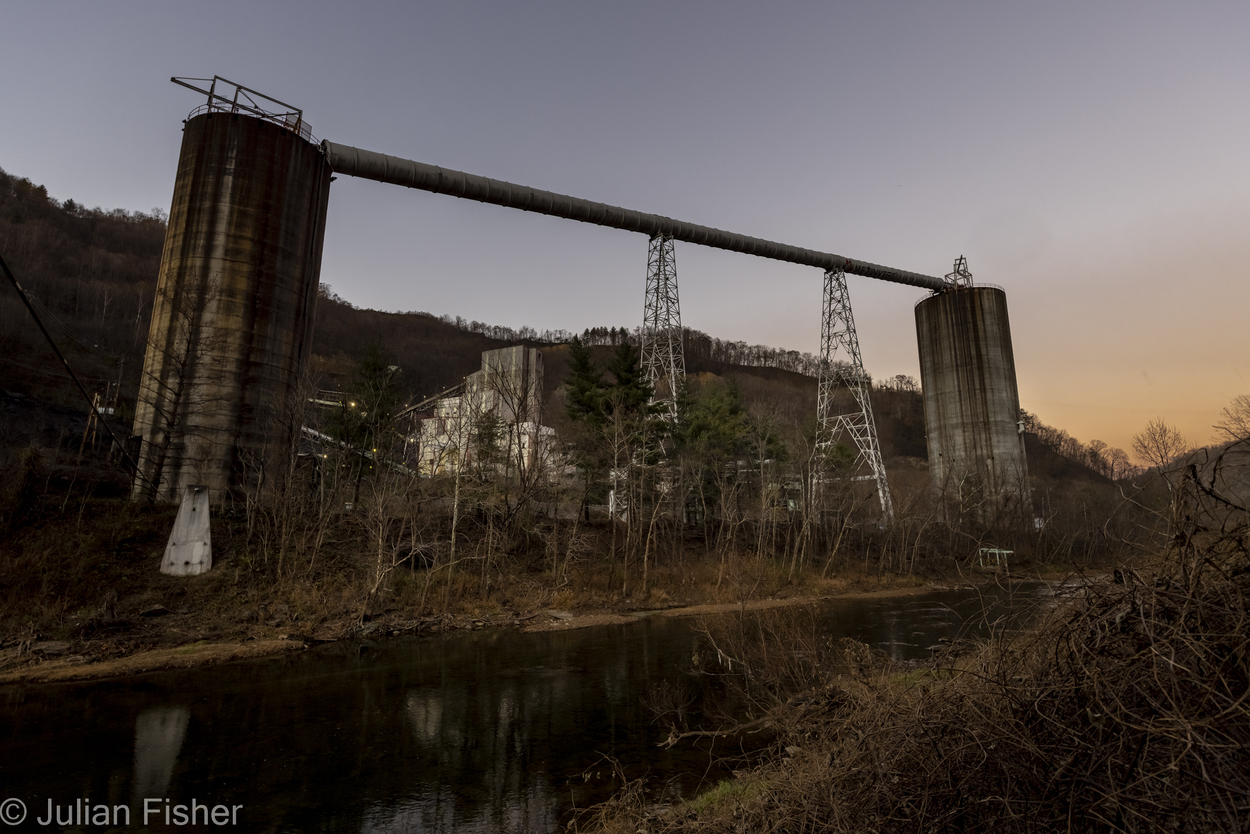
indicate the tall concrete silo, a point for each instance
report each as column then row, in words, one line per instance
column 233, row 314
column 972, row 405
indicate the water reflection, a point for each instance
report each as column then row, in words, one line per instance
column 912, row 629
column 477, row 732
column 158, row 738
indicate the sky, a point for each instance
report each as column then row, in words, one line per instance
column 1092, row 158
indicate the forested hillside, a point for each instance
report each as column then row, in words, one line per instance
column 92, row 274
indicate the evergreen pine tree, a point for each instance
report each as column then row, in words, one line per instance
column 584, row 385
column 631, row 391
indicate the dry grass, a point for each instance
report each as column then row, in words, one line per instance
column 1127, row 709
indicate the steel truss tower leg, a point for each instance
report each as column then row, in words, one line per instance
column 663, row 360
column 837, row 334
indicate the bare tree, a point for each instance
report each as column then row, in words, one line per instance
column 515, row 392
column 1121, row 466
column 295, row 494
column 1236, row 417
column 1099, row 457
column 1159, row 444
column 1162, row 447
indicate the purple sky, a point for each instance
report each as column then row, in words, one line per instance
column 1092, row 158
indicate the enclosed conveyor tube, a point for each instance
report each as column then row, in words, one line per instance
column 369, row 165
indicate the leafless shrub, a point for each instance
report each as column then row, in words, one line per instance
column 1127, row 709
column 615, row 815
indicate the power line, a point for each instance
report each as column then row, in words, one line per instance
column 52, row 343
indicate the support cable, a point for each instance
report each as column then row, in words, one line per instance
column 90, row 404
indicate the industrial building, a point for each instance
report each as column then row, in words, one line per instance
column 495, row 423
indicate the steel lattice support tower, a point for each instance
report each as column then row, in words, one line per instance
column 662, row 356
column 837, row 335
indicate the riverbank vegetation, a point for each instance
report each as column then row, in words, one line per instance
column 1124, row 708
column 622, row 515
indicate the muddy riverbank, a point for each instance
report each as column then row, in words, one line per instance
column 48, row 661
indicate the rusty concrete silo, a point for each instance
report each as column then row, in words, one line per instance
column 233, row 314
column 972, row 405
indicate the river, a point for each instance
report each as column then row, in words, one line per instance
column 478, row 731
